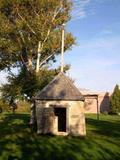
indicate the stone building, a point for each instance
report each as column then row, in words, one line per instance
column 60, row 108
column 96, row 102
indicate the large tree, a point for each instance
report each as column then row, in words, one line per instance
column 25, row 24
column 115, row 100
column 29, row 26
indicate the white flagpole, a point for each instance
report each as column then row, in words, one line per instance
column 62, row 48
column 38, row 57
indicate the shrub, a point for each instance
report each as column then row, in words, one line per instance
column 115, row 100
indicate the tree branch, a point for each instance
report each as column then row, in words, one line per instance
column 23, row 62
column 26, row 23
column 49, row 30
column 48, row 33
column 46, row 59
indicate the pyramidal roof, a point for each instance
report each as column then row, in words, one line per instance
column 60, row 88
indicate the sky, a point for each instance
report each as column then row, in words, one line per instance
column 95, row 60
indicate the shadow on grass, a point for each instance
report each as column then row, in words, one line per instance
column 13, row 123
column 107, row 128
column 18, row 143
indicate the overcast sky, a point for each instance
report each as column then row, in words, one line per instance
column 95, row 61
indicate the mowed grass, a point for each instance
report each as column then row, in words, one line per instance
column 18, row 143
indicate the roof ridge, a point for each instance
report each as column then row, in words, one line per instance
column 61, row 87
column 48, row 84
column 72, row 84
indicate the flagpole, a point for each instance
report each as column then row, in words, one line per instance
column 38, row 57
column 62, row 48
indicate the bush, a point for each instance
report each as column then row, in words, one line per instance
column 3, row 106
column 105, row 113
column 23, row 106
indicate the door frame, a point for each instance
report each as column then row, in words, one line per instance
column 67, row 118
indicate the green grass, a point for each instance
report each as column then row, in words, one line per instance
column 18, row 143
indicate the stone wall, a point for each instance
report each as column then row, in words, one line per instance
column 90, row 104
column 48, row 123
column 103, row 103
column 77, row 119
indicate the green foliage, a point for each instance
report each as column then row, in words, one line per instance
column 101, row 143
column 115, row 100
column 4, row 106
column 23, row 106
column 28, row 83
column 26, row 22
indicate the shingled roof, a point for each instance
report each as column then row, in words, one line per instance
column 60, row 88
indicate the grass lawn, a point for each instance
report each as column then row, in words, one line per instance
column 18, row 143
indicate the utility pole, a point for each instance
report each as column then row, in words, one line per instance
column 38, row 57
column 97, row 108
column 62, row 48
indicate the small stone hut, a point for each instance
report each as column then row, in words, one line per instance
column 60, row 108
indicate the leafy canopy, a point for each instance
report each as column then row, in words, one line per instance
column 25, row 23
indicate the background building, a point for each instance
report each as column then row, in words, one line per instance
column 96, row 101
